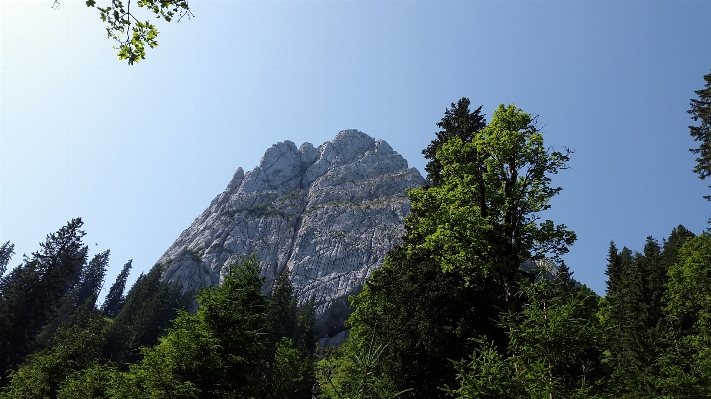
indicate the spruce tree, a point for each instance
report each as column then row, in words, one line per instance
column 424, row 318
column 33, row 292
column 214, row 352
column 150, row 306
column 115, row 298
column 701, row 111
column 635, row 321
column 92, row 278
column 75, row 346
column 6, row 251
column 287, row 362
column 458, row 121
column 87, row 288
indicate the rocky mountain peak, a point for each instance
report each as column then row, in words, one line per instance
column 327, row 215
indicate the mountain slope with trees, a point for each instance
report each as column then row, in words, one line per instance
column 475, row 303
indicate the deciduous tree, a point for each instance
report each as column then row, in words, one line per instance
column 130, row 33
column 483, row 221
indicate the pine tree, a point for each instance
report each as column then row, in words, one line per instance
column 114, row 301
column 92, row 278
column 554, row 349
column 149, row 307
column 635, row 323
column 701, row 111
column 6, row 251
column 75, row 346
column 214, row 352
column 459, row 122
column 33, row 292
column 287, row 365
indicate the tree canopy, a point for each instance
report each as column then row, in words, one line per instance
column 483, row 219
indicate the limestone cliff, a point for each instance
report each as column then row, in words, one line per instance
column 327, row 214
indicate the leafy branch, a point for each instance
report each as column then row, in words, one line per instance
column 131, row 34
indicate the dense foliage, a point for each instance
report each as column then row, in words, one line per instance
column 146, row 344
column 475, row 303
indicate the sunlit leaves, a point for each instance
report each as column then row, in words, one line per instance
column 132, row 35
column 484, row 217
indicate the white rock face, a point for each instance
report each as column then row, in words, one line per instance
column 327, row 214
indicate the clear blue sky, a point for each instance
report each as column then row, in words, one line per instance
column 139, row 151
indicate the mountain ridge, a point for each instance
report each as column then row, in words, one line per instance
column 327, row 214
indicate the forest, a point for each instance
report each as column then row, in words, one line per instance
column 476, row 302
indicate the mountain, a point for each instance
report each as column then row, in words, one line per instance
column 328, row 215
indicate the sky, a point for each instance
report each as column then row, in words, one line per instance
column 138, row 152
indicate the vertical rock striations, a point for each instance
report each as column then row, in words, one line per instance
column 327, row 214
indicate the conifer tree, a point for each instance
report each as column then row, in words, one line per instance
column 115, row 298
column 92, row 278
column 423, row 318
column 33, row 292
column 149, row 307
column 214, row 352
column 6, row 251
column 701, row 111
column 635, row 322
column 75, row 346
column 287, row 365
column 459, row 122
column 554, row 349
column 87, row 288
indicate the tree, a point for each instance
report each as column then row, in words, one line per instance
column 634, row 320
column 554, row 349
column 482, row 221
column 149, row 307
column 75, row 346
column 423, row 317
column 701, row 111
column 115, row 298
column 131, row 34
column 33, row 292
column 92, row 278
column 686, row 363
column 459, row 122
column 100, row 381
column 6, row 251
column 214, row 352
column 87, row 288
column 287, row 363
column 467, row 235
column 354, row 371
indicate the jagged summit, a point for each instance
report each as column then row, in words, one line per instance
column 327, row 214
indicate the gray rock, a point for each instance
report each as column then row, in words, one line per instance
column 328, row 215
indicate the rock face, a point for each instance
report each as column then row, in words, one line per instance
column 328, row 215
